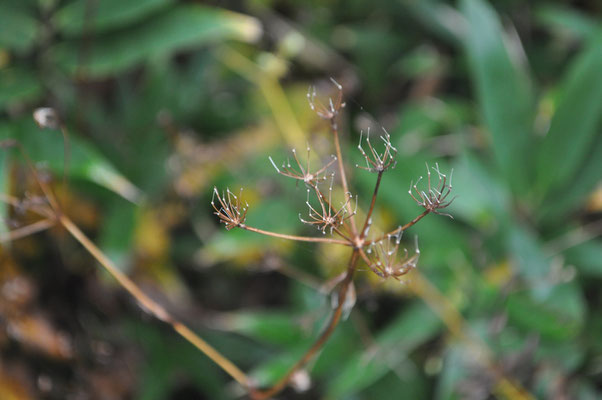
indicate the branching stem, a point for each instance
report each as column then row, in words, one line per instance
column 152, row 307
column 337, row 146
column 309, row 354
column 294, row 237
column 400, row 229
column 372, row 203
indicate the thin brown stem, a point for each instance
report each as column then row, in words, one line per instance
column 310, row 353
column 400, row 229
column 12, row 200
column 342, row 234
column 294, row 237
column 27, row 230
column 365, row 257
column 371, row 209
column 337, row 146
column 152, row 307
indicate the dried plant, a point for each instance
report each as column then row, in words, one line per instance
column 435, row 197
column 335, row 219
column 381, row 255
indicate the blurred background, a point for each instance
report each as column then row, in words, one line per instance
column 164, row 99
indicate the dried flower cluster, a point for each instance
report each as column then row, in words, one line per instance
column 381, row 255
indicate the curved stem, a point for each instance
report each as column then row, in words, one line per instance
column 400, row 229
column 294, row 237
column 309, row 354
column 337, row 146
column 372, row 203
column 27, row 230
column 151, row 306
column 342, row 234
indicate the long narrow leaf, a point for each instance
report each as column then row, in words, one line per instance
column 503, row 90
column 575, row 123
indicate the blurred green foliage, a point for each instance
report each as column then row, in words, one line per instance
column 164, row 99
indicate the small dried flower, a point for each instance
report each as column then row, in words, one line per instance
column 382, row 257
column 327, row 217
column 330, row 111
column 230, row 211
column 434, row 198
column 303, row 174
column 378, row 162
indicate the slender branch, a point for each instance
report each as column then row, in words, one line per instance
column 294, row 237
column 42, row 210
column 400, row 229
column 151, row 306
column 372, row 203
column 309, row 354
column 342, row 234
column 12, row 200
column 364, row 257
column 337, row 146
column 27, row 230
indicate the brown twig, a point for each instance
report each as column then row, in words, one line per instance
column 294, row 237
column 27, row 230
column 322, row 339
column 368, row 221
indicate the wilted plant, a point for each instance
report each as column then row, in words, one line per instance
column 381, row 255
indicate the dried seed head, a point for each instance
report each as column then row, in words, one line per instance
column 229, row 209
column 326, row 216
column 376, row 162
column 330, row 111
column 303, row 173
column 383, row 260
column 434, row 198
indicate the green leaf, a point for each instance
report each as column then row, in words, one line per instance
column 18, row 28
column 483, row 200
column 166, row 357
column 4, row 188
column 410, row 329
column 18, row 84
column 575, row 192
column 531, row 263
column 187, row 26
column 575, row 122
column 271, row 327
column 503, row 89
column 559, row 317
column 587, row 258
column 84, row 162
column 100, row 16
column 438, row 17
column 117, row 232
column 454, row 371
column 567, row 21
